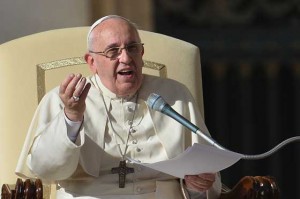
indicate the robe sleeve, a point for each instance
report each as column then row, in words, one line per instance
column 48, row 153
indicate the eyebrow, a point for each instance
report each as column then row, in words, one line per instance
column 113, row 45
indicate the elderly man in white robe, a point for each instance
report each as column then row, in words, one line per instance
column 88, row 129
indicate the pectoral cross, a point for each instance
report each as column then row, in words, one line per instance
column 122, row 170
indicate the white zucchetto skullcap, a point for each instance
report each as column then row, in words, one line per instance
column 101, row 20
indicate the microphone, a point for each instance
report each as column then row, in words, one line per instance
column 157, row 103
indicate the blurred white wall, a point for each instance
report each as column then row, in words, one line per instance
column 19, row 18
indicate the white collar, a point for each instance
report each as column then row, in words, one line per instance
column 108, row 93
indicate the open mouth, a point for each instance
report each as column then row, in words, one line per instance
column 125, row 72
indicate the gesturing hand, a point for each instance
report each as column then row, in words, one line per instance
column 73, row 91
column 201, row 182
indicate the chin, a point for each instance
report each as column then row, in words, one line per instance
column 128, row 90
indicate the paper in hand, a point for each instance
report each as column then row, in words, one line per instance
column 195, row 160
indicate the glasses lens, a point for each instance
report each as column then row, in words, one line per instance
column 112, row 52
column 131, row 49
column 134, row 48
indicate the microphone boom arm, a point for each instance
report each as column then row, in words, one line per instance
column 157, row 103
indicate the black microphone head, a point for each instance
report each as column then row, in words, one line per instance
column 156, row 102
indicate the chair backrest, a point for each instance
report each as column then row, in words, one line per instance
column 32, row 65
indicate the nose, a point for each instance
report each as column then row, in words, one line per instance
column 124, row 56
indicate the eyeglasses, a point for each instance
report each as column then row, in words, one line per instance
column 114, row 52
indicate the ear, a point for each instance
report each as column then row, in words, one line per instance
column 90, row 61
column 143, row 51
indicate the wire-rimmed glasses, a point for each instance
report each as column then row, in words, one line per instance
column 114, row 52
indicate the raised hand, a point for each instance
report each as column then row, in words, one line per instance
column 73, row 92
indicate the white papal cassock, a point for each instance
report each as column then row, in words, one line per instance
column 83, row 169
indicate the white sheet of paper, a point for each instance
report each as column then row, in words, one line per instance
column 197, row 159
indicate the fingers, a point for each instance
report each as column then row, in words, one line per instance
column 68, row 86
column 73, row 92
column 85, row 91
column 79, row 87
column 200, row 182
column 65, row 84
column 73, row 85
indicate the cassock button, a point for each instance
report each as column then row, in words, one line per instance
column 129, row 109
column 134, row 141
column 132, row 130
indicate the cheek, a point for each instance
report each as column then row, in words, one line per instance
column 93, row 69
column 95, row 66
column 106, row 69
column 140, row 64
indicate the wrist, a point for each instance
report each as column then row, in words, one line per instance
column 72, row 116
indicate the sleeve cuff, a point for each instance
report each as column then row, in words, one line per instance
column 72, row 128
